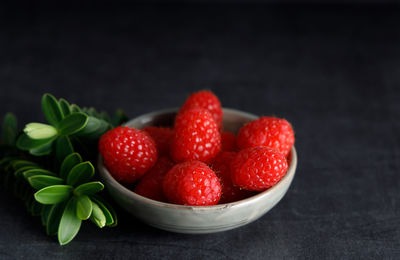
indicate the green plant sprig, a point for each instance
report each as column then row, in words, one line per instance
column 66, row 123
column 64, row 193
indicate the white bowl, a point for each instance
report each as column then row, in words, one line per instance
column 197, row 219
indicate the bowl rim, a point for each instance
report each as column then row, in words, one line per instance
column 252, row 199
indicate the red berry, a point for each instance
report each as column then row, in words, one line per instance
column 270, row 132
column 192, row 183
column 150, row 186
column 228, row 141
column 196, row 136
column 162, row 136
column 207, row 100
column 221, row 167
column 258, row 168
column 127, row 153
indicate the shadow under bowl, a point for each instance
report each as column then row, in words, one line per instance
column 197, row 219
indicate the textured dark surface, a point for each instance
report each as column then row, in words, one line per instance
column 333, row 71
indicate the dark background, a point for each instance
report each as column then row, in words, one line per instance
column 331, row 70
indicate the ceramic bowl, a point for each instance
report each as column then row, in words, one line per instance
column 197, row 219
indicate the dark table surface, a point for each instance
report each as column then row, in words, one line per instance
column 333, row 71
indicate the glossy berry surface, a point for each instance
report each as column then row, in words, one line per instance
column 221, row 167
column 196, row 136
column 161, row 136
column 270, row 132
column 192, row 183
column 151, row 184
column 127, row 153
column 258, row 168
column 207, row 100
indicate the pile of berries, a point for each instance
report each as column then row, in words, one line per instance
column 196, row 162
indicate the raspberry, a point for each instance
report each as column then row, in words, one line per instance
column 228, row 141
column 258, row 168
column 221, row 167
column 161, row 136
column 192, row 183
column 207, row 100
column 150, row 186
column 196, row 136
column 127, row 153
column 271, row 132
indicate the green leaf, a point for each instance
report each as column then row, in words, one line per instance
column 80, row 173
column 36, row 171
column 53, row 194
column 9, row 129
column 103, row 115
column 72, row 123
column 108, row 211
column 92, row 125
column 39, row 131
column 63, row 148
column 35, row 208
column 91, row 112
column 98, row 216
column 51, row 109
column 69, row 224
column 17, row 164
column 45, row 213
column 42, row 150
column 119, row 118
column 74, row 108
column 83, row 207
column 26, row 143
column 65, row 107
column 94, row 128
column 53, row 220
column 20, row 171
column 41, row 181
column 89, row 188
column 69, row 162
